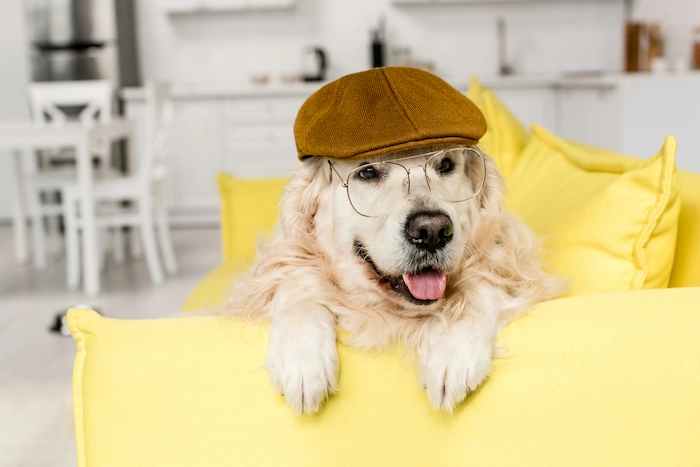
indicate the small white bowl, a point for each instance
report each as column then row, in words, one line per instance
column 260, row 78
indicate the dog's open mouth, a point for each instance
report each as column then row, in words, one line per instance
column 421, row 287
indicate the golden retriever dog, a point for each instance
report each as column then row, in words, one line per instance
column 413, row 247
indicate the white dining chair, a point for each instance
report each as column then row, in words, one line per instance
column 49, row 102
column 145, row 190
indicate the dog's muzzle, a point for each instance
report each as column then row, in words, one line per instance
column 422, row 287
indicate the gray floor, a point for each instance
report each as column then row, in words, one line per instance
column 36, row 365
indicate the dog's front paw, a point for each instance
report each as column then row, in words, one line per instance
column 452, row 367
column 303, row 366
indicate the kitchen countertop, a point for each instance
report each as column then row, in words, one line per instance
column 199, row 91
column 572, row 80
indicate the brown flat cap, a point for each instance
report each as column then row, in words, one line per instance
column 385, row 110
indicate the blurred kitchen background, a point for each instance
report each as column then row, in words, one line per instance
column 220, row 54
column 548, row 60
column 620, row 74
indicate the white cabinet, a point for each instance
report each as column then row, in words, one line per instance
column 258, row 135
column 589, row 115
column 652, row 110
column 531, row 104
column 634, row 114
column 195, row 154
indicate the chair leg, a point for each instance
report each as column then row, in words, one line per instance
column 135, row 247
column 52, row 223
column 54, row 244
column 38, row 240
column 164, row 240
column 149, row 240
column 102, row 248
column 72, row 243
column 118, row 245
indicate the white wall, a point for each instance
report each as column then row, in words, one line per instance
column 14, row 76
column 460, row 39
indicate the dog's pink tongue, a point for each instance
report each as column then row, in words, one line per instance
column 426, row 285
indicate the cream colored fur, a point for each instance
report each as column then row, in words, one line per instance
column 309, row 279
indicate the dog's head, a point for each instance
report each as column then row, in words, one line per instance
column 406, row 219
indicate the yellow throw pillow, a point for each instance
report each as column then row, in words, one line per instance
column 505, row 136
column 609, row 220
column 608, row 379
column 249, row 209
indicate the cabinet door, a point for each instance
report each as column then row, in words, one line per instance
column 589, row 116
column 260, row 151
column 529, row 105
column 259, row 136
column 194, row 147
column 656, row 108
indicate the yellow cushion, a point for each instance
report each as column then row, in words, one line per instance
column 686, row 266
column 608, row 379
column 505, row 136
column 609, row 220
column 249, row 208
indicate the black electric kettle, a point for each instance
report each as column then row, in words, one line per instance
column 314, row 64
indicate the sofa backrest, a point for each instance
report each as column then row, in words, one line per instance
column 686, row 265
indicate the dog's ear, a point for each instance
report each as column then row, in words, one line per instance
column 301, row 198
column 491, row 195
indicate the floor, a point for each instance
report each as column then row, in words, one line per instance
column 36, row 365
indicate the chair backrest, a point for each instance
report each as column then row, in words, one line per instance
column 47, row 100
column 159, row 115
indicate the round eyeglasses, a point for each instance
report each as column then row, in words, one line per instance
column 454, row 175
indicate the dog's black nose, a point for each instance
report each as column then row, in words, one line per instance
column 429, row 230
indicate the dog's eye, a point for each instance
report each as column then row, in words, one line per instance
column 367, row 172
column 446, row 165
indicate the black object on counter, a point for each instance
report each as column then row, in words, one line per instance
column 377, row 54
column 314, row 64
column 378, row 44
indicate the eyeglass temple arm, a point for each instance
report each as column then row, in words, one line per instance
column 333, row 169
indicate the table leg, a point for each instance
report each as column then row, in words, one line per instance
column 19, row 209
column 91, row 270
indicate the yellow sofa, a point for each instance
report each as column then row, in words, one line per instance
column 602, row 378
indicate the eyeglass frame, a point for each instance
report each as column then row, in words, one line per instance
column 430, row 155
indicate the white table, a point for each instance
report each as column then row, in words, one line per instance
column 22, row 139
